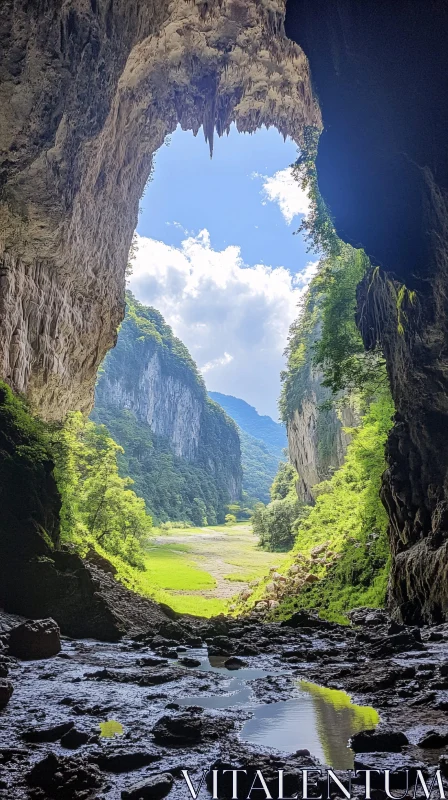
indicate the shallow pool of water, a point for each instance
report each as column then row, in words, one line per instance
column 315, row 718
column 320, row 720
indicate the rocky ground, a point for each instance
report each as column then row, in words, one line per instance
column 53, row 708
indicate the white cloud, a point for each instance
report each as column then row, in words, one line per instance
column 283, row 189
column 217, row 362
column 234, row 318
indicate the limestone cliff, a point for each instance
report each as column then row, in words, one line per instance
column 150, row 379
column 316, row 437
column 88, row 92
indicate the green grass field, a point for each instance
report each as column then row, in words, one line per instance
column 198, row 570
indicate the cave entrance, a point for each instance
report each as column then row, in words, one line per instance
column 216, row 259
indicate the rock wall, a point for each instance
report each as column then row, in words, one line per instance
column 88, row 92
column 381, row 73
column 161, row 400
column 151, row 373
column 316, row 438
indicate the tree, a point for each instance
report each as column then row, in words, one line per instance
column 199, row 512
column 97, row 504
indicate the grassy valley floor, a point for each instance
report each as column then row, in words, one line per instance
column 198, row 570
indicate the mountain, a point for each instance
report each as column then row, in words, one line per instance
column 180, row 447
column 248, row 419
column 262, row 444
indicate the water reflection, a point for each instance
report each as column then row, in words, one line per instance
column 318, row 719
column 321, row 720
column 110, row 728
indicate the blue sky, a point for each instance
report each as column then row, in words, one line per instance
column 217, row 256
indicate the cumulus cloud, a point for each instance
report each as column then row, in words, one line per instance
column 284, row 190
column 234, row 318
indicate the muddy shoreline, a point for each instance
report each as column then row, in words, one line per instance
column 50, row 742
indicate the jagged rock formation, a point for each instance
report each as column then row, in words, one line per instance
column 149, row 378
column 88, row 93
column 317, row 441
column 380, row 71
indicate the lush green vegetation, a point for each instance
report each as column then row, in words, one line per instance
column 276, row 523
column 349, row 517
column 98, row 506
column 259, row 467
column 174, row 489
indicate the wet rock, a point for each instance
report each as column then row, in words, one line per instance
column 6, row 691
column 248, row 650
column 193, row 641
column 433, row 740
column 305, row 619
column 167, row 652
column 160, row 642
column 74, row 739
column 423, row 699
column 50, row 733
column 155, row 787
column 189, row 728
column 386, row 740
column 367, row 616
column 398, row 643
column 250, row 759
column 35, row 639
column 151, row 661
column 153, row 678
column 189, row 662
column 216, row 626
column 64, row 777
column 126, row 761
column 402, row 767
column 172, row 630
column 443, row 764
column 234, row 663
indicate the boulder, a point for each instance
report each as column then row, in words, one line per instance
column 64, row 777
column 155, row 787
column 310, row 578
column 48, row 733
column 6, row 690
column 433, row 740
column 189, row 662
column 126, row 761
column 234, row 663
column 74, row 739
column 383, row 741
column 35, row 639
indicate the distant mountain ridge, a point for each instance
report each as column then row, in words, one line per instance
column 262, row 444
column 272, row 433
